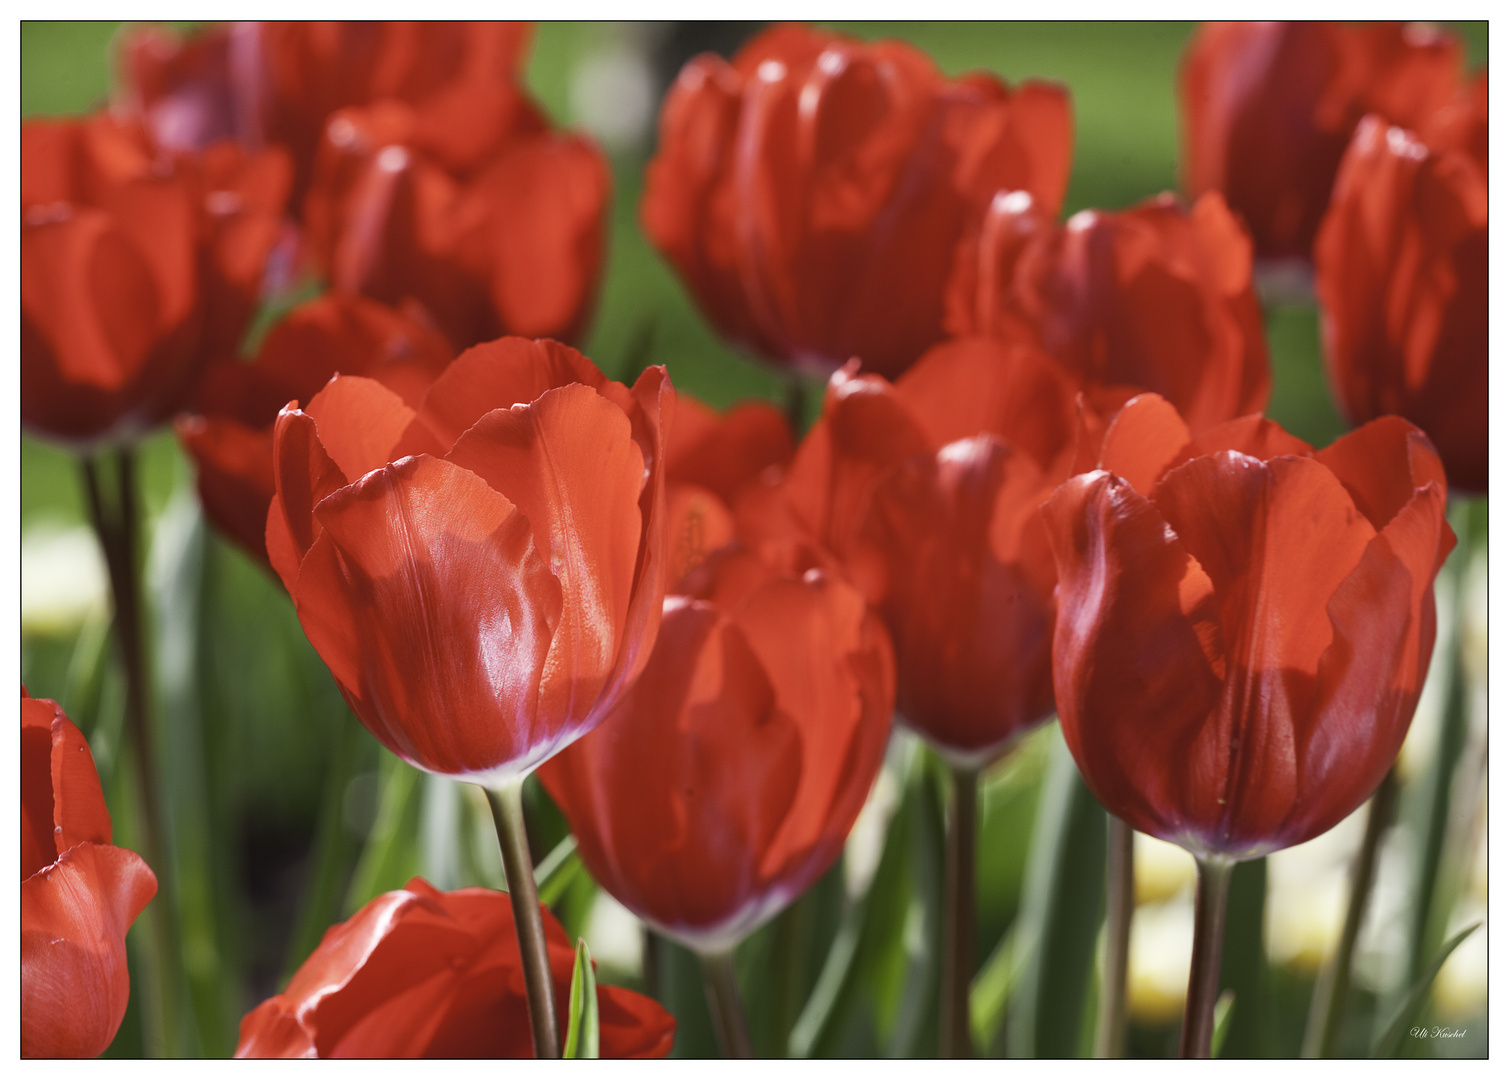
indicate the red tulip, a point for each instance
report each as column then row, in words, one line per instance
column 928, row 492
column 278, row 82
column 230, row 433
column 483, row 575
column 1244, row 624
column 1152, row 298
column 135, row 271
column 1402, row 273
column 424, row 973
column 79, row 895
column 1268, row 109
column 811, row 193
column 476, row 210
column 726, row 781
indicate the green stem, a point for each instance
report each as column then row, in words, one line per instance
column 1211, row 885
column 723, row 1002
column 518, row 867
column 1336, row 979
column 1110, row 1020
column 958, row 915
column 796, row 402
column 116, row 525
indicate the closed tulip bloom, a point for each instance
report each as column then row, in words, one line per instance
column 136, row 269
column 79, row 895
column 420, row 973
column 811, row 193
column 229, row 432
column 1402, row 272
column 483, row 574
column 1244, row 624
column 927, row 491
column 472, row 207
column 727, row 780
column 1154, row 298
column 1267, row 110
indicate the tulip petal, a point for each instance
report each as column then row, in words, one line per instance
column 1142, row 439
column 428, row 600
column 1381, row 464
column 358, row 421
column 74, row 917
column 725, row 452
column 569, row 465
column 236, row 478
column 271, row 1031
column 304, row 476
column 631, row 1025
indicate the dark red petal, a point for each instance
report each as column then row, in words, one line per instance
column 428, row 601
column 358, row 421
column 236, row 483
column 74, row 918
column 1143, row 438
column 1381, row 464
column 1135, row 655
column 271, row 1031
column 568, row 463
column 303, row 476
column 38, row 841
column 79, row 811
column 631, row 1025
column 1255, row 436
column 724, row 452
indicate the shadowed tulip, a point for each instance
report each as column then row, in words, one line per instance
column 420, row 973
column 483, row 574
column 1402, row 272
column 1267, row 110
column 79, row 895
column 230, row 430
column 1153, row 298
column 810, row 194
column 927, row 491
column 136, row 270
column 1244, row 624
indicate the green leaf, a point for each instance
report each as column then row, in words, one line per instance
column 581, row 1019
column 1392, row 1037
column 1244, row 965
column 990, row 993
column 553, row 876
column 1061, row 915
column 1222, row 1021
column 391, row 856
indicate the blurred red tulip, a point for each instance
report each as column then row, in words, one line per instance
column 136, row 269
column 1151, row 298
column 483, row 575
column 230, row 431
column 278, row 82
column 1402, row 272
column 928, row 492
column 1268, row 110
column 79, row 895
column 471, row 207
column 420, row 973
column 1244, row 624
column 727, row 780
column 811, row 193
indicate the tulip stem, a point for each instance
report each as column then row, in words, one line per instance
column 958, row 915
column 723, row 1000
column 1212, row 882
column 1336, row 979
column 116, row 525
column 507, row 805
column 1111, row 1020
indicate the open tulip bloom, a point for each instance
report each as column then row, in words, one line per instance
column 483, row 574
column 1244, row 626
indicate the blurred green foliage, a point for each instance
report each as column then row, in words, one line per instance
column 286, row 817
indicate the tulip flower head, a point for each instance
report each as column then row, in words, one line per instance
column 230, row 431
column 1268, row 110
column 726, row 781
column 79, row 895
column 420, row 973
column 811, row 193
column 1151, row 298
column 1244, row 623
column 483, row 574
column 1402, row 272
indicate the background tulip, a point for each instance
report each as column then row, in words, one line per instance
column 424, row 973
column 230, row 431
column 1244, row 624
column 1153, row 298
column 1402, row 273
column 79, row 895
column 1268, row 110
column 483, row 574
column 810, row 193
